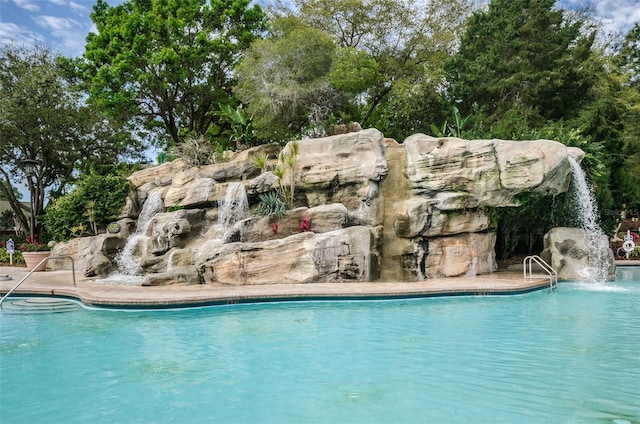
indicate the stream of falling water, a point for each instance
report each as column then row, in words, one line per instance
column 127, row 260
column 588, row 220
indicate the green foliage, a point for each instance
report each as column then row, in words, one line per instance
column 376, row 62
column 353, row 71
column 271, row 205
column 261, row 161
column 166, row 65
column 175, row 207
column 516, row 231
column 18, row 259
column 102, row 197
column 196, row 151
column 283, row 79
column 521, row 60
column 628, row 166
column 241, row 134
column 628, row 57
column 455, row 129
column 285, row 171
column 6, row 220
column 44, row 118
column 528, row 70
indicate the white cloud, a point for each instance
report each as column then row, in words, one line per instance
column 11, row 33
column 58, row 2
column 55, row 24
column 78, row 8
column 620, row 14
column 68, row 33
column 27, row 5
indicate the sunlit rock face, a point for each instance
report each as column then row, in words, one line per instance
column 463, row 174
column 363, row 208
column 335, row 256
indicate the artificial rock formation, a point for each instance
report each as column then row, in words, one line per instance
column 366, row 208
column 577, row 255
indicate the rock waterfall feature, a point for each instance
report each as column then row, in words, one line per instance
column 580, row 253
column 364, row 208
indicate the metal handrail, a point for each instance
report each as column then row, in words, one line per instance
column 553, row 275
column 73, row 272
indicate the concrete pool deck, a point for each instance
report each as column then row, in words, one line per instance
column 60, row 284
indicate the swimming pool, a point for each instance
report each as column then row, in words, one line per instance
column 568, row 356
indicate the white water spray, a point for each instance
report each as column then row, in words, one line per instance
column 588, row 220
column 127, row 260
column 234, row 207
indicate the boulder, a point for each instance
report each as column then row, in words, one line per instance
column 576, row 254
column 342, row 255
column 540, row 166
column 444, row 223
column 412, row 217
column 461, row 255
column 183, row 275
column 343, row 169
column 173, row 229
column 462, row 174
column 320, row 219
column 159, row 175
column 69, row 248
column 98, row 265
column 416, row 217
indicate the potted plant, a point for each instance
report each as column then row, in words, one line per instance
column 33, row 253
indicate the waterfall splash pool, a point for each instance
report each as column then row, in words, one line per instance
column 566, row 356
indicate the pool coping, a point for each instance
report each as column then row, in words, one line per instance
column 60, row 284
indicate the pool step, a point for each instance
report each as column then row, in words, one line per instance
column 39, row 305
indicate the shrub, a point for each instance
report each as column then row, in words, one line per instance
column 94, row 202
column 271, row 205
column 17, row 256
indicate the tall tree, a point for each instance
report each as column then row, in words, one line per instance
column 43, row 119
column 168, row 64
column 284, row 79
column 520, row 62
column 628, row 58
column 629, row 55
column 403, row 45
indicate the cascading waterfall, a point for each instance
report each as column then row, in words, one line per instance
column 587, row 217
column 234, row 207
column 128, row 263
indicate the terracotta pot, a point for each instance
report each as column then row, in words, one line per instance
column 33, row 258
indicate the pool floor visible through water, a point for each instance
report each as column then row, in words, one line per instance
column 567, row 356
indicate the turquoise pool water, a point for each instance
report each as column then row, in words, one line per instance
column 572, row 356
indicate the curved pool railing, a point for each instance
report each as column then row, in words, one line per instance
column 73, row 273
column 527, row 270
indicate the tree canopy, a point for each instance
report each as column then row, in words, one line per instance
column 165, row 66
column 521, row 59
column 526, row 69
column 43, row 118
column 387, row 56
column 283, row 78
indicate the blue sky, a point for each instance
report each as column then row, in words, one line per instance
column 64, row 24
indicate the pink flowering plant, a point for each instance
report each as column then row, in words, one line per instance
column 33, row 245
